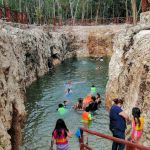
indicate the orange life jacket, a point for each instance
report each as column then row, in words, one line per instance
column 87, row 100
column 85, row 116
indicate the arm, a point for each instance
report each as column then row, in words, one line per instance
column 90, row 117
column 124, row 115
column 69, row 134
column 52, row 143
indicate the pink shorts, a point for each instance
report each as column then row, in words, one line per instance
column 136, row 134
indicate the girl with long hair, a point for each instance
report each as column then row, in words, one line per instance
column 137, row 125
column 60, row 134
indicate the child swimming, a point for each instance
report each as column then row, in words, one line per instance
column 61, row 109
column 68, row 94
column 79, row 105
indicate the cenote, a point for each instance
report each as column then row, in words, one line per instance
column 44, row 95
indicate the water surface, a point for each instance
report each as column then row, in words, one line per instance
column 44, row 95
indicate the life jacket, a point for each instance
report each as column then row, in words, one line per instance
column 60, row 140
column 93, row 90
column 86, row 117
column 87, row 100
column 62, row 111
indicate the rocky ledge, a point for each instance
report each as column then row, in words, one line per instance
column 28, row 53
column 129, row 71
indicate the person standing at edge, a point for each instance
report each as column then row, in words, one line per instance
column 118, row 123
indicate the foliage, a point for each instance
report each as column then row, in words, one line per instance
column 77, row 9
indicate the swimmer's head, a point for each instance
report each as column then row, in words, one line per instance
column 93, row 98
column 65, row 102
column 98, row 95
column 68, row 89
column 87, row 109
column 60, row 105
column 80, row 100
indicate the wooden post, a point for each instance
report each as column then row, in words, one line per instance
column 134, row 11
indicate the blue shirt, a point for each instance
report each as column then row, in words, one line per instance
column 116, row 120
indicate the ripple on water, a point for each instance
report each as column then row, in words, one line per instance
column 45, row 94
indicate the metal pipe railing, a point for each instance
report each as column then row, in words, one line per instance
column 130, row 145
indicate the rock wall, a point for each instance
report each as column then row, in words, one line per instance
column 145, row 18
column 28, row 53
column 25, row 55
column 95, row 41
column 129, row 72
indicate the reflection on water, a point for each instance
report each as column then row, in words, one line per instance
column 44, row 95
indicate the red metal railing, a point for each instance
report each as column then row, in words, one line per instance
column 145, row 5
column 1, row 13
column 14, row 16
column 129, row 145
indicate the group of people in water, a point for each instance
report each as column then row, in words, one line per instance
column 90, row 104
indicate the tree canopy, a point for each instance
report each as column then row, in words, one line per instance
column 75, row 9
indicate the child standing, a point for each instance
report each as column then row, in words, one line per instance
column 137, row 125
column 86, row 121
column 60, row 134
column 86, row 118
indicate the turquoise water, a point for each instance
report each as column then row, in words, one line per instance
column 44, row 95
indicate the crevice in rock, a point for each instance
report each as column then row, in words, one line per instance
column 55, row 56
column 131, row 42
column 6, row 73
column 50, row 63
column 15, row 130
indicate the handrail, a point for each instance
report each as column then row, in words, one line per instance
column 133, row 145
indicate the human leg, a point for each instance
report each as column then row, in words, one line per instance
column 121, row 135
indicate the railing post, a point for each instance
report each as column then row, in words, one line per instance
column 144, row 5
column 1, row 13
column 81, row 141
column 54, row 24
column 8, row 14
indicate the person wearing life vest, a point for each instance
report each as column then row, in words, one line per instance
column 61, row 109
column 93, row 90
column 60, row 134
column 87, row 100
column 86, row 118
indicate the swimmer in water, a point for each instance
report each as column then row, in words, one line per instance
column 98, row 67
column 79, row 105
column 93, row 89
column 61, row 109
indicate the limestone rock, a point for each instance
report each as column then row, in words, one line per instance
column 129, row 72
column 145, row 17
column 26, row 53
